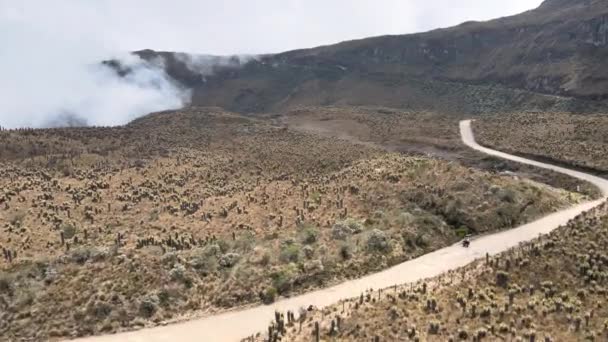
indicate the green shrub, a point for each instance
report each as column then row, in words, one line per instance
column 507, row 195
column 269, row 295
column 462, row 231
column 245, row 242
column 68, row 231
column 346, row 251
column 290, row 253
column 147, row 307
column 378, row 241
column 224, row 245
column 281, row 281
column 310, row 235
column 5, row 285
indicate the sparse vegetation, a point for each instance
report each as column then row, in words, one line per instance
column 185, row 213
column 550, row 289
column 578, row 140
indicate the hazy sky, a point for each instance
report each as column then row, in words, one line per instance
column 244, row 26
column 50, row 48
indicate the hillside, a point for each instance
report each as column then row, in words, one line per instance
column 549, row 59
column 576, row 140
column 187, row 213
column 551, row 289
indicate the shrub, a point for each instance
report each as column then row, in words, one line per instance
column 507, row 195
column 502, row 278
column 310, row 235
column 5, row 285
column 346, row 251
column 463, row 334
column 178, row 273
column 341, row 230
column 378, row 241
column 224, row 245
column 164, row 297
column 309, row 252
column 462, row 231
column 81, row 255
column 246, row 242
column 229, row 260
column 100, row 310
column 204, row 265
column 434, row 327
column 147, row 306
column 281, row 281
column 68, row 231
column 290, row 253
column 421, row 241
column 269, row 295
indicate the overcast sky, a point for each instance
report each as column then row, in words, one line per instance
column 48, row 47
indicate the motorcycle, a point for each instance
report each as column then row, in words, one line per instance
column 466, row 242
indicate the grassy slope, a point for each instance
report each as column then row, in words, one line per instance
column 551, row 289
column 201, row 210
column 578, row 140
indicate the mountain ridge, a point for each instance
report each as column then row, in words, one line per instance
column 556, row 49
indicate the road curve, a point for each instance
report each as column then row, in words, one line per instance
column 232, row 326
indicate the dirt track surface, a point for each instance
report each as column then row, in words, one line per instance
column 232, row 326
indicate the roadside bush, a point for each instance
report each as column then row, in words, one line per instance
column 269, row 295
column 148, row 306
column 378, row 241
column 281, row 281
column 462, row 231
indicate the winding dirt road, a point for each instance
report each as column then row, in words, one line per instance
column 232, row 326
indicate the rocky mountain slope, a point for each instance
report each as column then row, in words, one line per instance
column 549, row 58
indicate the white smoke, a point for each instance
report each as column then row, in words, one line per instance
column 53, row 76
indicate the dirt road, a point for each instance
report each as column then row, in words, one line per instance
column 232, row 326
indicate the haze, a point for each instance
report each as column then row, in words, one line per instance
column 51, row 50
